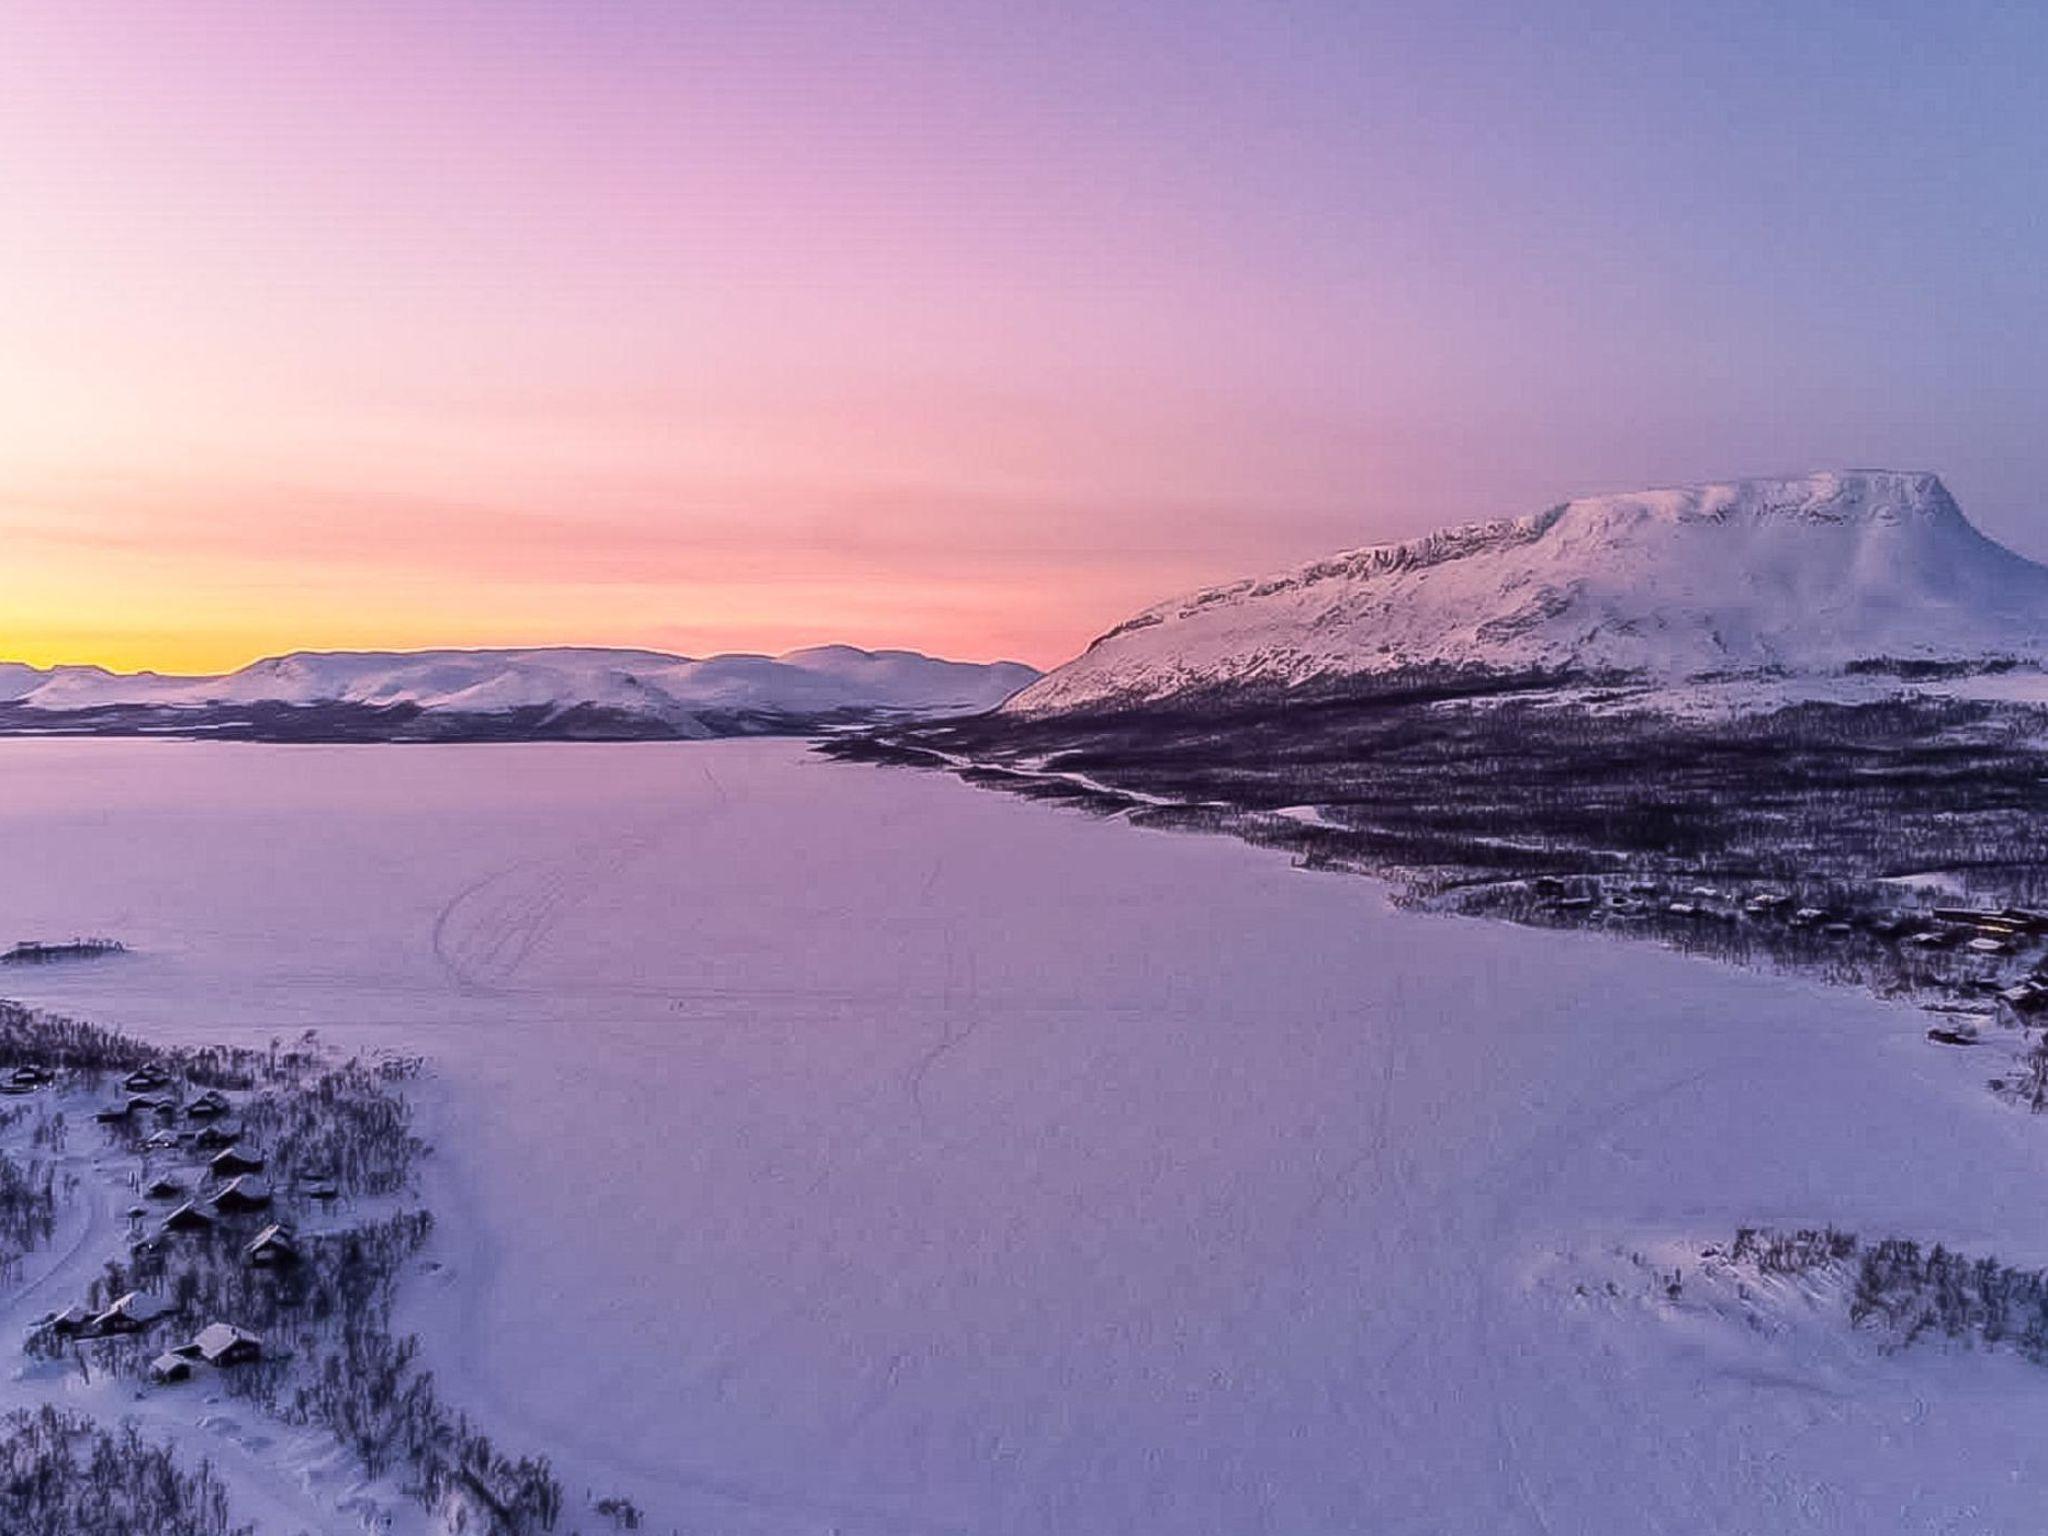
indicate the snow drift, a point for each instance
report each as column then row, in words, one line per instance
column 1813, row 574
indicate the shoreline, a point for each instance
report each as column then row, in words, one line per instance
column 864, row 1149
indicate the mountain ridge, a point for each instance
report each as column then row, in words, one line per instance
column 1814, row 574
column 511, row 690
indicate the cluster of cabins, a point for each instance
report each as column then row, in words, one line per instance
column 217, row 1344
column 1987, row 935
column 26, row 1078
column 206, row 1127
column 2003, row 931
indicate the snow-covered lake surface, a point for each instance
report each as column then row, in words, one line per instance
column 825, row 1148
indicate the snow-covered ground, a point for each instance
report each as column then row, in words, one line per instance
column 825, row 1148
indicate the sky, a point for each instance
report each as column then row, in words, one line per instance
column 966, row 327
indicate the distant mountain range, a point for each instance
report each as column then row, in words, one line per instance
column 551, row 693
column 1861, row 572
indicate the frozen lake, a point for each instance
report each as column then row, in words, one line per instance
column 825, row 1148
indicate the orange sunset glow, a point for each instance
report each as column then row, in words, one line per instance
column 708, row 328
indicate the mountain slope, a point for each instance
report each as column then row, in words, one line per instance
column 1806, row 575
column 539, row 691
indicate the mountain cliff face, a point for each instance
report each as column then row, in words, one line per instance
column 1808, row 575
column 513, row 693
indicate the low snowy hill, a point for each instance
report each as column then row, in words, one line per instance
column 1808, row 576
column 557, row 691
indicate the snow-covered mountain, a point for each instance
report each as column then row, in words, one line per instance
column 673, row 695
column 1807, row 575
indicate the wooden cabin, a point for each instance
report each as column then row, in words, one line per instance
column 232, row 1161
column 71, row 1322
column 129, row 1313
column 245, row 1193
column 223, row 1344
column 187, row 1218
column 167, row 1368
column 273, row 1247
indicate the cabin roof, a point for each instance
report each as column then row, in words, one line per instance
column 216, row 1339
column 134, row 1306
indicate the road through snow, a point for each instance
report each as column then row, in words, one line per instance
column 831, row 1148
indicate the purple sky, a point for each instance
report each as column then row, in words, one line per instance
column 970, row 327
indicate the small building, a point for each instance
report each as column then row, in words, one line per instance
column 164, row 1187
column 167, row 1368
column 219, row 1134
column 129, row 1313
column 244, row 1193
column 2026, row 999
column 223, row 1344
column 187, row 1218
column 145, row 1080
column 233, row 1160
column 209, row 1105
column 274, row 1247
column 69, row 1323
column 112, row 1114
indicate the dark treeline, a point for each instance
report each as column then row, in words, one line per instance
column 1467, row 798
column 32, row 1038
column 1909, row 1292
column 28, row 1191
column 63, row 1475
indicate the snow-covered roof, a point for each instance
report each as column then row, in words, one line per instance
column 216, row 1339
column 135, row 1307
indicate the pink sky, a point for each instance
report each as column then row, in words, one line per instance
column 959, row 327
